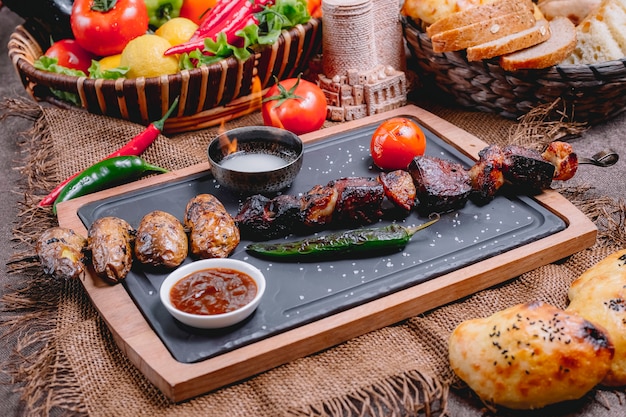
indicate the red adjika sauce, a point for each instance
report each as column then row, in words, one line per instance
column 213, row 291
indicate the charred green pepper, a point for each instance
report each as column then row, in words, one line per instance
column 160, row 11
column 104, row 174
column 355, row 243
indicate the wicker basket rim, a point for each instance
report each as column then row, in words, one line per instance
column 27, row 66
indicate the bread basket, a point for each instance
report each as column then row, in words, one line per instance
column 208, row 95
column 588, row 93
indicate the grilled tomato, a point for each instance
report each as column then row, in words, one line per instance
column 396, row 142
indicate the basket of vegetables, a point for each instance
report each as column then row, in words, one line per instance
column 131, row 59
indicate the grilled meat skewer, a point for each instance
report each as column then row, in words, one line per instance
column 441, row 185
column 526, row 169
column 318, row 206
column 359, row 201
column 262, row 218
column 429, row 185
column 345, row 202
column 399, row 188
column 564, row 159
column 487, row 175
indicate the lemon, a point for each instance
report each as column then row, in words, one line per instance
column 177, row 30
column 144, row 57
column 110, row 62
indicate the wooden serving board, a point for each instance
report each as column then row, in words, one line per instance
column 180, row 381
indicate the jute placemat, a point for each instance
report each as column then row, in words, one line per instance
column 67, row 360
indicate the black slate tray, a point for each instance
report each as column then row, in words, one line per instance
column 299, row 293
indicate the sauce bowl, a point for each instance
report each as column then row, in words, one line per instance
column 212, row 321
column 256, row 159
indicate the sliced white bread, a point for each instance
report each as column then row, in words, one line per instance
column 601, row 35
column 481, row 32
column 511, row 43
column 478, row 13
column 551, row 52
column 575, row 10
column 429, row 11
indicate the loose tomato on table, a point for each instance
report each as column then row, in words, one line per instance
column 104, row 27
column 296, row 105
column 396, row 142
column 195, row 10
column 70, row 54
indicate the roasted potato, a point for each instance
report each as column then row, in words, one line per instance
column 213, row 232
column 110, row 241
column 161, row 240
column 61, row 253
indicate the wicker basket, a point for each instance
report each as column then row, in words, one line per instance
column 589, row 93
column 208, row 95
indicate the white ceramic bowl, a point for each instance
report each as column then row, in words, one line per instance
column 212, row 321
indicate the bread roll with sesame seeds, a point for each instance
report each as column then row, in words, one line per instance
column 599, row 295
column 530, row 356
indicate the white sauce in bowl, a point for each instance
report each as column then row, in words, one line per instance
column 253, row 162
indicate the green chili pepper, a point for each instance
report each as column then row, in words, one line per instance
column 160, row 11
column 104, row 174
column 359, row 242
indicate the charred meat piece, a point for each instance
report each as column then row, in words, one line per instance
column 161, row 240
column 564, row 159
column 110, row 241
column 526, row 169
column 213, row 232
column 318, row 206
column 254, row 216
column 262, row 218
column 61, row 253
column 359, row 201
column 486, row 175
column 442, row 185
column 399, row 188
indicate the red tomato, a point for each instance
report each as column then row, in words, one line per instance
column 195, row 10
column 105, row 30
column 396, row 142
column 296, row 105
column 70, row 54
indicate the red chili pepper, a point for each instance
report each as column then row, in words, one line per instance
column 220, row 12
column 231, row 30
column 185, row 47
column 230, row 25
column 134, row 147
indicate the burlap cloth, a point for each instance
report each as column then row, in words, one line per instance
column 67, row 362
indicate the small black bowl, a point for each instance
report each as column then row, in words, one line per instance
column 256, row 159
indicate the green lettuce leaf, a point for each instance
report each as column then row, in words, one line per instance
column 284, row 14
column 45, row 63
column 95, row 71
